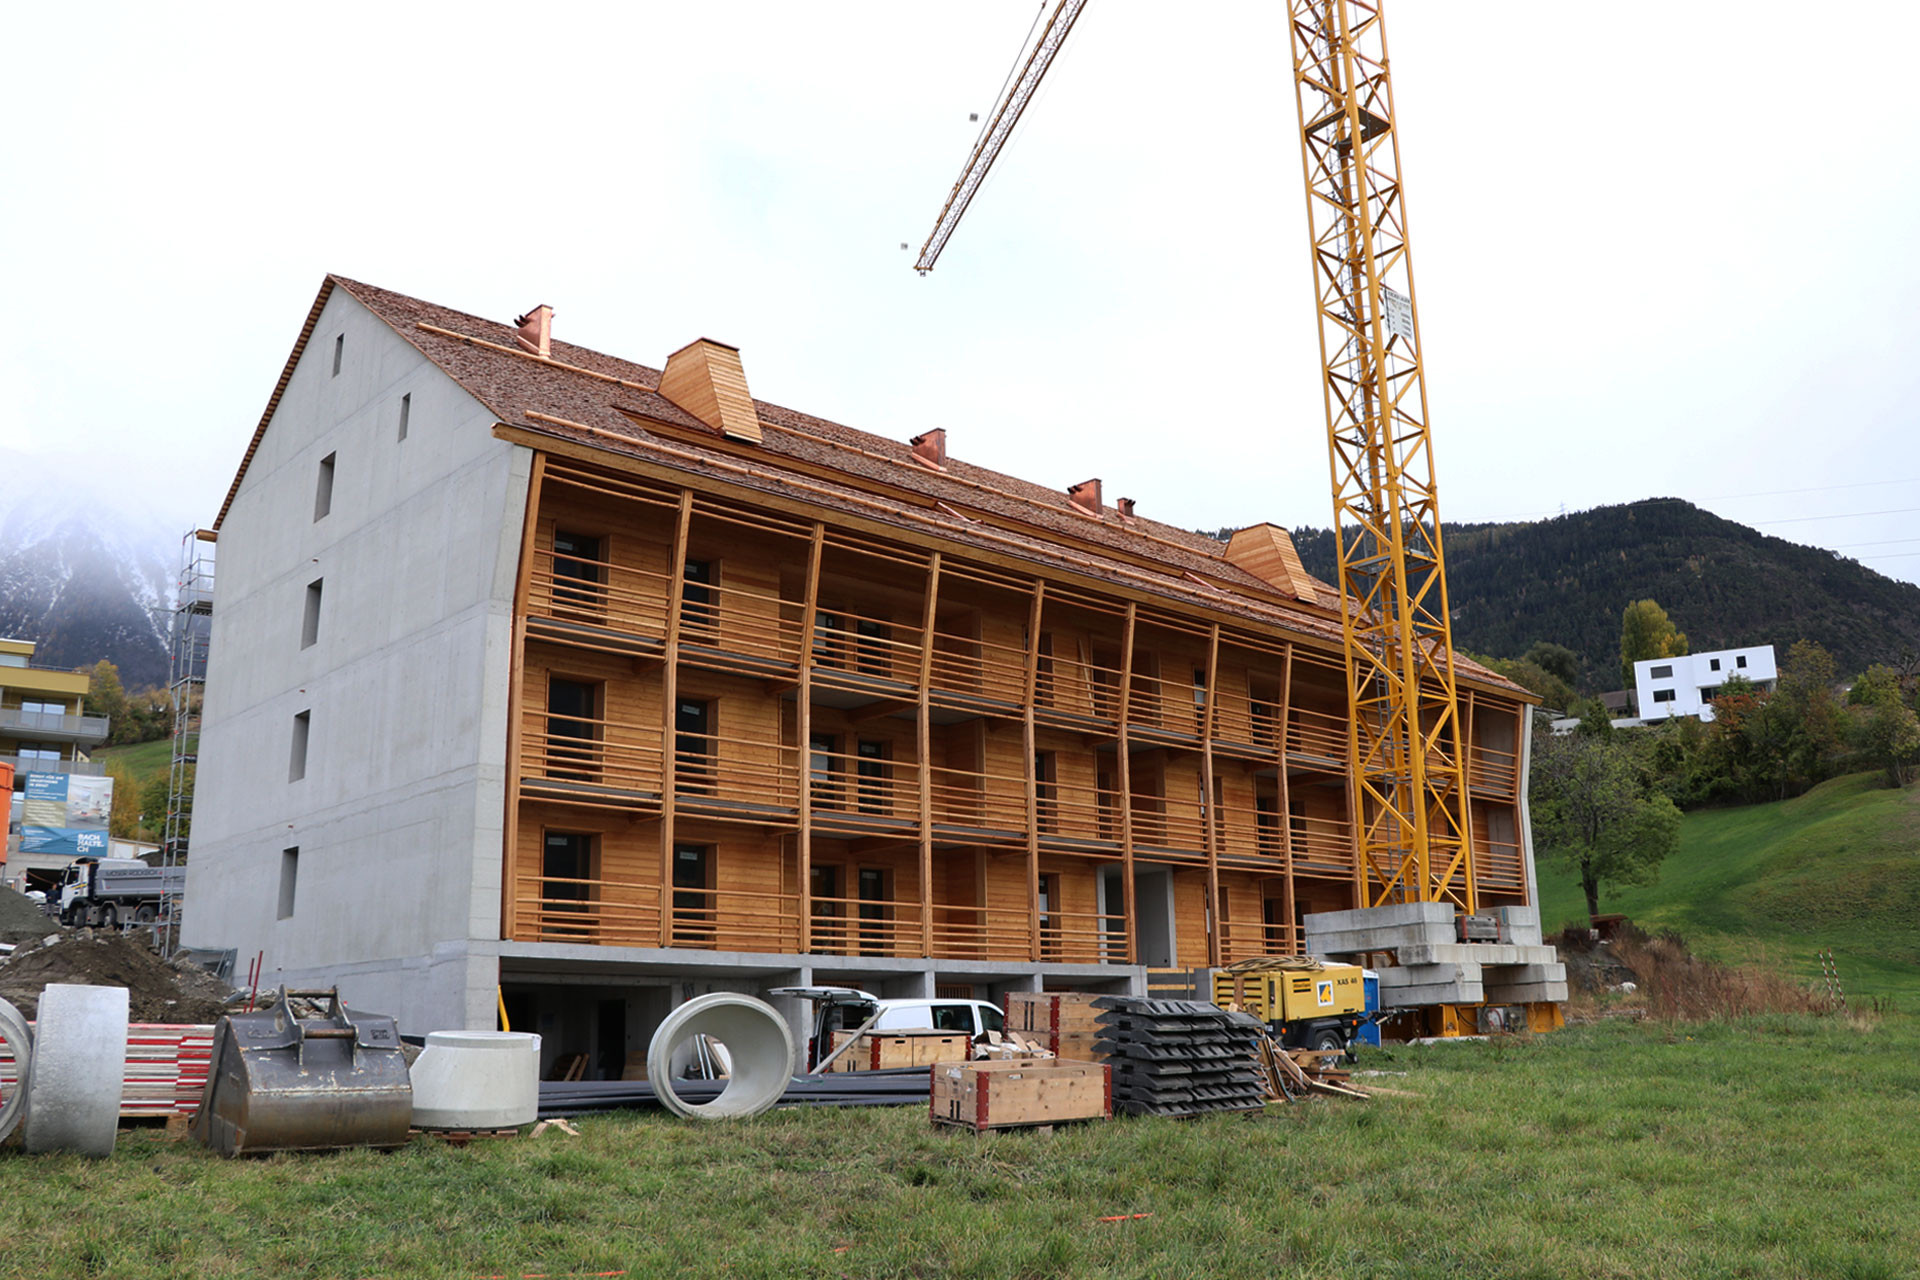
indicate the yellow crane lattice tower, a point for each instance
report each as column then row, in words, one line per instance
column 1404, row 740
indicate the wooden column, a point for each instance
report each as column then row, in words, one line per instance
column 925, row 747
column 669, row 695
column 516, row 702
column 1127, row 891
column 1286, row 792
column 803, row 732
column 1216, row 818
column 1033, row 782
column 1466, row 802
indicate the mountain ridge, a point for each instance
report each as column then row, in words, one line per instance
column 1566, row 579
column 82, row 576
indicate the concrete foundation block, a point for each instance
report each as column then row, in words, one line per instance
column 477, row 1080
column 1390, row 916
column 1436, row 993
column 79, row 1070
column 1485, row 953
column 1426, row 975
column 1520, row 925
column 1522, row 993
column 1386, row 938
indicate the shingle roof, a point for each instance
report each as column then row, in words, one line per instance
column 608, row 404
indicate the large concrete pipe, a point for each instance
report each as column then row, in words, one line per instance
column 79, row 1070
column 755, row 1035
column 16, row 1042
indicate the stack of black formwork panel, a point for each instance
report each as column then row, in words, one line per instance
column 1179, row 1057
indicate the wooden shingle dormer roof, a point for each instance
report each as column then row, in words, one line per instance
column 697, row 416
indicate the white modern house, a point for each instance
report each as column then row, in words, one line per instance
column 1687, row 686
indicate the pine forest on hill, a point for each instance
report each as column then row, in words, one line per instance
column 1566, row 580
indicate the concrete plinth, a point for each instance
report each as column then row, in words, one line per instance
column 1394, row 915
column 1483, row 953
column 1519, row 925
column 1427, row 975
column 79, row 1070
column 1436, row 993
column 1386, row 938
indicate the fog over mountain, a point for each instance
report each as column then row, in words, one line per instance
column 87, row 566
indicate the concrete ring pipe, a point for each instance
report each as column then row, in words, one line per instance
column 755, row 1035
column 79, row 1070
column 16, row 1040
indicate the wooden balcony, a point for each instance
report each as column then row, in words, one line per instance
column 1251, row 939
column 1493, row 772
column 628, row 913
column 1497, row 867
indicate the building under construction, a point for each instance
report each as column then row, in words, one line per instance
column 544, row 677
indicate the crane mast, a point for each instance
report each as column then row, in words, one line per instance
column 1404, row 736
column 1006, row 114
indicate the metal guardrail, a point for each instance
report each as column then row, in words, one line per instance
column 48, row 724
column 84, row 768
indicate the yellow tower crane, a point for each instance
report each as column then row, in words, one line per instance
column 1404, row 737
column 999, row 127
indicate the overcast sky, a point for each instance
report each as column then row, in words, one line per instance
column 1656, row 256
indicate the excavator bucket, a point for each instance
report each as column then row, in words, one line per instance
column 279, row 1082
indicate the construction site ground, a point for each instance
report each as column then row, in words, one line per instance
column 158, row 990
column 1768, row 1147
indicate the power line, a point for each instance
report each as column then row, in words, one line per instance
column 1725, row 497
column 1888, row 542
column 1844, row 515
column 1822, row 488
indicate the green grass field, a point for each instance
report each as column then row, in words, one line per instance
column 1780, row 1147
column 143, row 761
column 1838, row 867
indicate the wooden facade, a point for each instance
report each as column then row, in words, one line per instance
column 738, row 728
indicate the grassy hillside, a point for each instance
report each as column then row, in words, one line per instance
column 1838, row 867
column 143, row 761
column 1567, row 579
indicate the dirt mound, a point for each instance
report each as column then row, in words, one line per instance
column 22, row 920
column 157, row 990
column 1592, row 966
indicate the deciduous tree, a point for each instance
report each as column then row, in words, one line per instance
column 1647, row 632
column 1597, row 810
column 1889, row 735
column 1556, row 660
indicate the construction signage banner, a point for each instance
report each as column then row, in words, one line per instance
column 65, row 815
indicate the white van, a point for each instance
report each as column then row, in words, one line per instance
column 847, row 1008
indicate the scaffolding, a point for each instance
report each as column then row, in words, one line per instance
column 187, row 677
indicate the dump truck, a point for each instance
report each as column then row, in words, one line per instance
column 1306, row 1003
column 108, row 891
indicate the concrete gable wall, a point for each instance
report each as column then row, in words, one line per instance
column 398, row 819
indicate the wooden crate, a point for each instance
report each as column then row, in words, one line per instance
column 1019, row 1093
column 900, row 1049
column 1063, row 1022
